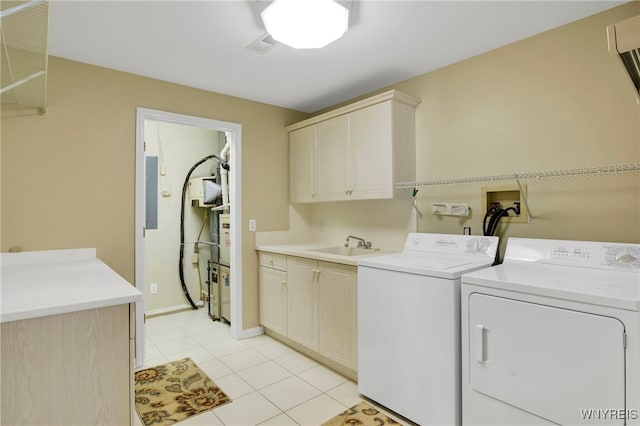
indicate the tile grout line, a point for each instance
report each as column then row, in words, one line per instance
column 197, row 334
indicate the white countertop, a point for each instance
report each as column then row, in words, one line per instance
column 41, row 283
column 306, row 250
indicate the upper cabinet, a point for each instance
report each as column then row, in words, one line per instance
column 356, row 152
column 302, row 170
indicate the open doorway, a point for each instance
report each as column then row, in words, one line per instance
column 176, row 148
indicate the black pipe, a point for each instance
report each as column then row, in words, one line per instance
column 490, row 230
column 223, row 164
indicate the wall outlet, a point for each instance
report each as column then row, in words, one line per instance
column 252, row 225
column 153, row 288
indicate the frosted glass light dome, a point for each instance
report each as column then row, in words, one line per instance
column 306, row 24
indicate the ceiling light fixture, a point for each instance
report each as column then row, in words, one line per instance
column 306, row 24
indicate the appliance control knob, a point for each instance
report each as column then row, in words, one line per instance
column 476, row 245
column 625, row 257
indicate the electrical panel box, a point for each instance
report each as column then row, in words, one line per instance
column 506, row 196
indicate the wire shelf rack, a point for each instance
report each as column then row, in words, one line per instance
column 518, row 178
column 526, row 176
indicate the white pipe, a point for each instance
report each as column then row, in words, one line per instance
column 224, row 153
column 225, row 186
column 224, row 173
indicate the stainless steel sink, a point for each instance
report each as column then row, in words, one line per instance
column 346, row 251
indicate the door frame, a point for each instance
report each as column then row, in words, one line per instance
column 233, row 132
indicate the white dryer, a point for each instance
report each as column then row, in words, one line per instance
column 552, row 335
column 409, row 324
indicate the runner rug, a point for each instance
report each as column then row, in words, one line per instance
column 172, row 392
column 362, row 414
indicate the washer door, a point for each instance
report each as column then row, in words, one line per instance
column 555, row 363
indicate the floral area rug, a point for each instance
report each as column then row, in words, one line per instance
column 168, row 393
column 362, row 414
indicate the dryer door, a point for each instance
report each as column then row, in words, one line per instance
column 555, row 363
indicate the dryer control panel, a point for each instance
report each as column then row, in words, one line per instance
column 587, row 254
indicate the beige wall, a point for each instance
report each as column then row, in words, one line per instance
column 557, row 100
column 68, row 178
column 553, row 101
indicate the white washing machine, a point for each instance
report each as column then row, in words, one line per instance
column 552, row 336
column 409, row 324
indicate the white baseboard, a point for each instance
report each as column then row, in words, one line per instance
column 251, row 332
column 171, row 310
column 245, row 334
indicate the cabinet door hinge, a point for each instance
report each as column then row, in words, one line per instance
column 144, row 232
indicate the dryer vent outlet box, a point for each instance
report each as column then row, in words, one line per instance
column 203, row 191
column 506, row 196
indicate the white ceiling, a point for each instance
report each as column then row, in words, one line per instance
column 203, row 44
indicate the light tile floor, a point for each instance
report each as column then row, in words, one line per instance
column 270, row 383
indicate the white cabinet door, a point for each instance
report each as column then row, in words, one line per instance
column 332, row 138
column 361, row 150
column 273, row 299
column 302, row 165
column 547, row 361
column 371, row 152
column 337, row 313
column 302, row 301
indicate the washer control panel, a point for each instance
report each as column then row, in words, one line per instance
column 451, row 243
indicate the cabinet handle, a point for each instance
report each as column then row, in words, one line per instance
column 283, row 282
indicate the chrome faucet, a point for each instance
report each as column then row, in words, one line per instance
column 361, row 242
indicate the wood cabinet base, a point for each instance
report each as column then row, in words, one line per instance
column 67, row 369
column 337, row 367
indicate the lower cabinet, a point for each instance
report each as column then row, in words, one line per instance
column 72, row 368
column 314, row 304
column 273, row 299
column 337, row 313
column 302, row 301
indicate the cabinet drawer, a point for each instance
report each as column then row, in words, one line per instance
column 272, row 260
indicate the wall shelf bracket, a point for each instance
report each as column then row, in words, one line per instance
column 523, row 194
